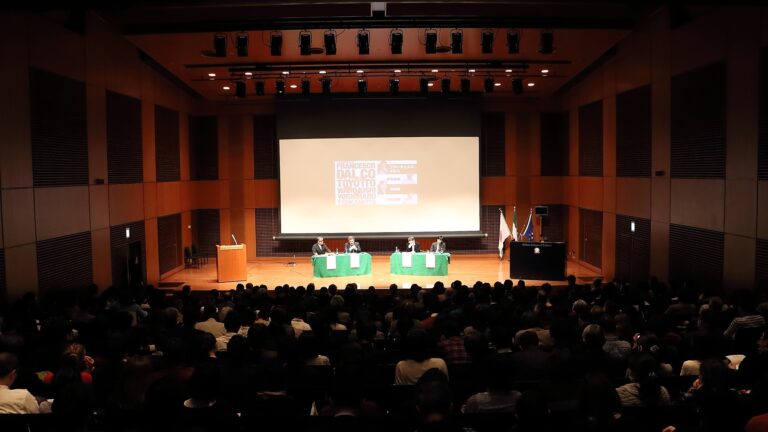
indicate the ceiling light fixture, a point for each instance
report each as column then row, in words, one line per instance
column 396, row 41
column 513, row 42
column 363, row 42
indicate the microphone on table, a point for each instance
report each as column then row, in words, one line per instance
column 233, row 238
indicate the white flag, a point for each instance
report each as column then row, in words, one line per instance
column 504, row 232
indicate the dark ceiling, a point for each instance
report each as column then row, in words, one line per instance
column 179, row 37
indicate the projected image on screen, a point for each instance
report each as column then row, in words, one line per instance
column 376, row 182
column 379, row 185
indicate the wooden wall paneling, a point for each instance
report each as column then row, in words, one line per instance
column 61, row 211
column 18, row 223
column 21, row 270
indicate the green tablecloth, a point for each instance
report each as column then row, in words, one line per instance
column 419, row 264
column 320, row 268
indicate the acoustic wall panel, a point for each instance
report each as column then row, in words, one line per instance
column 633, row 133
column 554, row 226
column 698, row 123
column 265, row 153
column 167, row 144
column 492, row 148
column 124, row 145
column 206, row 230
column 696, row 256
column 203, row 148
column 57, row 130
column 555, row 143
column 64, row 264
column 591, row 139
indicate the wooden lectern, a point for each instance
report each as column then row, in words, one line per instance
column 231, row 263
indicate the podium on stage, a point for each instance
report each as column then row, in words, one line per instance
column 231, row 263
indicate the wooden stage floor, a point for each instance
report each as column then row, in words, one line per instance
column 277, row 271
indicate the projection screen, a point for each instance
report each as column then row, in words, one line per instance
column 379, row 185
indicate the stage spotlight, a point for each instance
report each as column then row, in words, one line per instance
column 424, row 86
column 457, row 39
column 363, row 42
column 280, row 87
column 394, row 86
column 430, row 42
column 396, row 41
column 259, row 88
column 329, row 40
column 546, row 44
column 220, row 45
column 445, row 85
column 305, row 87
column 486, row 42
column 488, row 85
column 362, row 87
column 517, row 86
column 305, row 43
column 513, row 42
column 241, row 44
column 240, row 89
column 465, row 85
column 326, row 85
column 276, row 44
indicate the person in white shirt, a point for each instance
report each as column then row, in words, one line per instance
column 211, row 325
column 16, row 401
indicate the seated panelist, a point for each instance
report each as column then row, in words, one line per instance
column 412, row 246
column 438, row 246
column 320, row 248
column 351, row 246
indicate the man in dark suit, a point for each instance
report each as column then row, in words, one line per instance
column 320, row 248
column 438, row 246
column 412, row 246
column 351, row 246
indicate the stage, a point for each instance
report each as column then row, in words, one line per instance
column 278, row 271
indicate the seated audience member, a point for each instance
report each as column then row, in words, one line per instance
column 309, row 351
column 533, row 414
column 210, row 323
column 320, row 247
column 434, row 406
column 417, row 359
column 17, row 401
column 352, row 246
column 616, row 348
column 412, row 245
column 644, row 390
column 530, row 363
column 499, row 396
column 451, row 344
column 232, row 325
column 438, row 246
column 720, row 407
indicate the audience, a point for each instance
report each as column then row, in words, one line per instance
column 573, row 362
